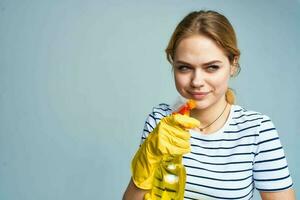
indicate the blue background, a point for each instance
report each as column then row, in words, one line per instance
column 78, row 78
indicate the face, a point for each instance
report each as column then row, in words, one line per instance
column 201, row 71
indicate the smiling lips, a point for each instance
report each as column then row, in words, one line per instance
column 199, row 95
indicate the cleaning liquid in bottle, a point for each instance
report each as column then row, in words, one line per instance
column 169, row 179
column 170, row 175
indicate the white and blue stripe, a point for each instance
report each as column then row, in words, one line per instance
column 228, row 164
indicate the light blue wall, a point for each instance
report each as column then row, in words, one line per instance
column 77, row 79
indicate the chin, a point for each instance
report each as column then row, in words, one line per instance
column 202, row 104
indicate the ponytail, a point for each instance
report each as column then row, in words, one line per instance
column 230, row 97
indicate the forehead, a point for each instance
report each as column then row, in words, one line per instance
column 198, row 49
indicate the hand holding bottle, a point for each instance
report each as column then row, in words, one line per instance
column 171, row 137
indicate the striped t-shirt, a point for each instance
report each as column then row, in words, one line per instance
column 228, row 164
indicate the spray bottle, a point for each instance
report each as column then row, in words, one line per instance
column 170, row 176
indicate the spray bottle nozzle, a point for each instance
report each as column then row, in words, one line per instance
column 187, row 107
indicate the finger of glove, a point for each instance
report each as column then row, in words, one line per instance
column 174, row 132
column 174, row 142
column 168, row 148
column 183, row 121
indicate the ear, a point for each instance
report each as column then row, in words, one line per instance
column 234, row 66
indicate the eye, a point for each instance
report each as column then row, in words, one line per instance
column 183, row 68
column 212, row 68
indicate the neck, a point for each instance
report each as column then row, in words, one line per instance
column 208, row 115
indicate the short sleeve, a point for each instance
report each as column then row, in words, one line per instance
column 158, row 112
column 270, row 170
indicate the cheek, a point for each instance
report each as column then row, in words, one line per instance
column 220, row 83
column 178, row 80
column 181, row 81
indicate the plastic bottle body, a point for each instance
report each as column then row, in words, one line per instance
column 169, row 179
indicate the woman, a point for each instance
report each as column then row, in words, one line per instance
column 227, row 150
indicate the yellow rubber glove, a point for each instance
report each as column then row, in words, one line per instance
column 170, row 137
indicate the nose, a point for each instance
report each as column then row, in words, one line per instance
column 197, row 80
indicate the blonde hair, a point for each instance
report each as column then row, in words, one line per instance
column 213, row 25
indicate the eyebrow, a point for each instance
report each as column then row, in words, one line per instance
column 208, row 63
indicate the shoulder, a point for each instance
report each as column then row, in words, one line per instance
column 242, row 112
column 243, row 115
column 158, row 112
column 161, row 110
column 243, row 119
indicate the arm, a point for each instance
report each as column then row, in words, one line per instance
column 270, row 171
column 134, row 193
column 288, row 194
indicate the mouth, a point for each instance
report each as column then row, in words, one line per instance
column 198, row 95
